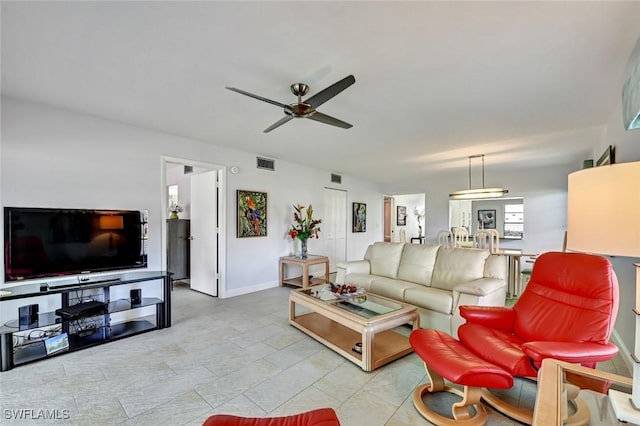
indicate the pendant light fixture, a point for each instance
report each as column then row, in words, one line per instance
column 474, row 194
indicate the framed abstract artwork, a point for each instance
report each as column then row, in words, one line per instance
column 487, row 219
column 401, row 216
column 359, row 217
column 252, row 213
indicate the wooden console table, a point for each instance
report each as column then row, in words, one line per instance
column 303, row 280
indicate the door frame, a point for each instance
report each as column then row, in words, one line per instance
column 388, row 220
column 222, row 214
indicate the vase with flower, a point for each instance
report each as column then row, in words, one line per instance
column 174, row 210
column 304, row 227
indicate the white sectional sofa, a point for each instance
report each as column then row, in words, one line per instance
column 436, row 279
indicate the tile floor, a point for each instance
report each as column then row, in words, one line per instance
column 236, row 356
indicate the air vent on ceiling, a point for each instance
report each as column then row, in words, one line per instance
column 336, row 178
column 188, row 169
column 265, row 163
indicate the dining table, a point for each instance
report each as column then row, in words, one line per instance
column 514, row 278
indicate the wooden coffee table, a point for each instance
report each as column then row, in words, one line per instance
column 341, row 323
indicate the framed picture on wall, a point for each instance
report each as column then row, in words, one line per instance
column 359, row 217
column 487, row 219
column 401, row 215
column 607, row 157
column 252, row 213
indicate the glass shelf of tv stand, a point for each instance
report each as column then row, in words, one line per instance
column 121, row 305
column 45, row 319
column 81, row 335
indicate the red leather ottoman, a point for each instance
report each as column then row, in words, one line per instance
column 446, row 358
column 319, row 417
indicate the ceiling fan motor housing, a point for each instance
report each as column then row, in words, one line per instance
column 300, row 110
column 299, row 89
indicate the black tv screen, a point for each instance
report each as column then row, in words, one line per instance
column 45, row 242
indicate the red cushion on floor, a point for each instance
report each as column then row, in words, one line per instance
column 319, row 417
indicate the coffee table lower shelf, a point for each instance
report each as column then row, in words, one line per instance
column 388, row 345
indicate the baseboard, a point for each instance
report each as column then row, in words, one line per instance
column 625, row 353
column 232, row 292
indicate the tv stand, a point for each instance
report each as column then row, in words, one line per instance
column 75, row 314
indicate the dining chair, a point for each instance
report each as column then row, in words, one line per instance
column 403, row 236
column 460, row 237
column 495, row 237
column 483, row 240
column 486, row 239
column 445, row 238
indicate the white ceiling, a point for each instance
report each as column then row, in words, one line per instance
column 526, row 83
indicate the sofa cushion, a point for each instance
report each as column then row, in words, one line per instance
column 417, row 262
column 458, row 265
column 391, row 288
column 496, row 267
column 430, row 298
column 384, row 258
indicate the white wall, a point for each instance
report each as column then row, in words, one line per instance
column 55, row 158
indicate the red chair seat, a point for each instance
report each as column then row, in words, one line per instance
column 498, row 347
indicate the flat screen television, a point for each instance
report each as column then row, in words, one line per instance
column 48, row 242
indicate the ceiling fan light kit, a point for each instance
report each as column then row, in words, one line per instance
column 478, row 193
column 306, row 109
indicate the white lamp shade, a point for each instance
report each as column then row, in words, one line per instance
column 631, row 91
column 603, row 214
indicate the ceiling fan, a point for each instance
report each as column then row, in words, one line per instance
column 307, row 109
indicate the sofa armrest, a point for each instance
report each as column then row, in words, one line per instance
column 352, row 267
column 480, row 287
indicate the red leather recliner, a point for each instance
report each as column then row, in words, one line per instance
column 566, row 312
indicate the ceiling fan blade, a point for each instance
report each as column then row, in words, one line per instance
column 278, row 123
column 242, row 92
column 328, row 93
column 327, row 119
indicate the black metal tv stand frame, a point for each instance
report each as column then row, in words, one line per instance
column 102, row 330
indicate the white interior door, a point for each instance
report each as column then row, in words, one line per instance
column 204, row 235
column 334, row 226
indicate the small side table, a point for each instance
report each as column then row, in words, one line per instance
column 419, row 239
column 303, row 281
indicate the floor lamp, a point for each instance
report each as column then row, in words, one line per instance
column 603, row 217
